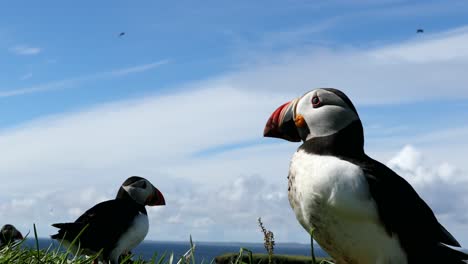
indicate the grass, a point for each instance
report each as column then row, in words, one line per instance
column 14, row 253
column 236, row 258
column 17, row 253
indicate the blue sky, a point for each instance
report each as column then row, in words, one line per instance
column 78, row 40
column 183, row 96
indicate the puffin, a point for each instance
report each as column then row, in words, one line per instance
column 9, row 234
column 114, row 226
column 360, row 211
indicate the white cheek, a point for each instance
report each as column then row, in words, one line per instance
column 129, row 189
column 138, row 194
column 327, row 120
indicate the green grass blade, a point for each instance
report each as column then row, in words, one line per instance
column 153, row 259
column 312, row 252
column 37, row 241
column 163, row 256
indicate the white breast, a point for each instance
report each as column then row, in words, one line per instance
column 332, row 196
column 132, row 237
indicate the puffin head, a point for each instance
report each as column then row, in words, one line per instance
column 318, row 113
column 9, row 233
column 141, row 191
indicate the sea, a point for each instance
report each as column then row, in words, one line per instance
column 204, row 251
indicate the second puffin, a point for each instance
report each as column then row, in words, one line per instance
column 114, row 226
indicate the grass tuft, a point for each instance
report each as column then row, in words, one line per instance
column 17, row 253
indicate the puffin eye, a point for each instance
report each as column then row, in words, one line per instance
column 316, row 102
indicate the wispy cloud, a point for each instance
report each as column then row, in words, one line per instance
column 25, row 50
column 137, row 69
column 72, row 82
column 433, row 48
column 26, row 76
column 39, row 88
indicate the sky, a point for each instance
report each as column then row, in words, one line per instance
column 182, row 99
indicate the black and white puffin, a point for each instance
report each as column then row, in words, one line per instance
column 360, row 210
column 9, row 234
column 114, row 226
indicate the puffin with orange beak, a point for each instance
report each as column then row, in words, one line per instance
column 115, row 226
column 360, row 210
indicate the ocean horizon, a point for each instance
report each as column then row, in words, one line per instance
column 205, row 251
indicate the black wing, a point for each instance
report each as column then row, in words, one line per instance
column 105, row 222
column 405, row 214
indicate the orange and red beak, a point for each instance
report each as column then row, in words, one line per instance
column 281, row 123
column 156, row 198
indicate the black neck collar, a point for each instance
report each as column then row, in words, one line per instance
column 348, row 142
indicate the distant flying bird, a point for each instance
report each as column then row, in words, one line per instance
column 420, row 30
column 360, row 210
column 121, row 34
column 114, row 226
column 9, row 234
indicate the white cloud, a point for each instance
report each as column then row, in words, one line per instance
column 91, row 196
column 78, row 159
column 234, row 204
column 96, row 149
column 414, row 70
column 26, row 76
column 210, row 211
column 443, row 186
column 422, row 50
column 23, row 203
column 140, row 68
column 25, row 50
column 408, row 159
column 73, row 82
column 75, row 212
column 202, row 222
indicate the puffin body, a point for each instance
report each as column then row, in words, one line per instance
column 360, row 210
column 331, row 195
column 114, row 226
